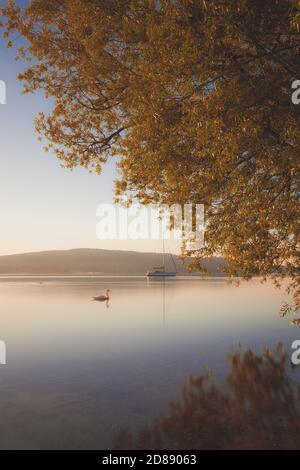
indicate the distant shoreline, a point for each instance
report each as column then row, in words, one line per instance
column 100, row 275
column 99, row 262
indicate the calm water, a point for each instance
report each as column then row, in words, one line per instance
column 78, row 371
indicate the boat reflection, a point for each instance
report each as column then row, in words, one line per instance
column 258, row 407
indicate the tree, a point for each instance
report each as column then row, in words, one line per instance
column 195, row 99
column 258, row 407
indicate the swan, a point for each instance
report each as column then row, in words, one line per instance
column 102, row 298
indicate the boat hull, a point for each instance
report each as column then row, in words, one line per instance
column 161, row 274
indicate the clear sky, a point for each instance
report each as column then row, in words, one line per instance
column 43, row 206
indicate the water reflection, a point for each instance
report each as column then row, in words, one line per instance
column 259, row 408
column 77, row 372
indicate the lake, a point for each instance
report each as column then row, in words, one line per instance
column 80, row 374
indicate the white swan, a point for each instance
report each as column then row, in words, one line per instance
column 102, row 298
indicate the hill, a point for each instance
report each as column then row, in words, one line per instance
column 85, row 260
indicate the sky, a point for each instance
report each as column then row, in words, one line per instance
column 42, row 205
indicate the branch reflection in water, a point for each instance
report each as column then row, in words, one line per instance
column 259, row 408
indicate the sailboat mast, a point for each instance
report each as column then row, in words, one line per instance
column 164, row 253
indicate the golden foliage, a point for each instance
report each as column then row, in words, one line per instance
column 195, row 99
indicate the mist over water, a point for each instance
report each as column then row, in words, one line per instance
column 78, row 372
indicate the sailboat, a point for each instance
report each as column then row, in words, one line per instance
column 160, row 271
